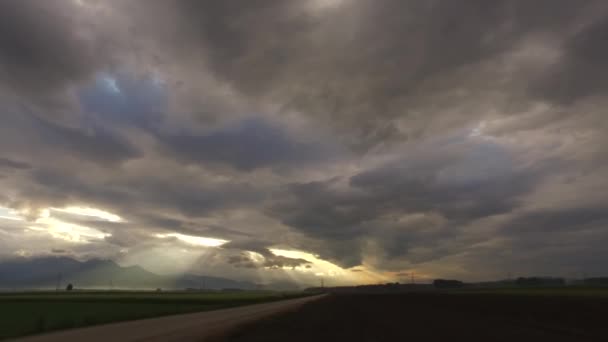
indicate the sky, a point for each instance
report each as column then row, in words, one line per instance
column 354, row 141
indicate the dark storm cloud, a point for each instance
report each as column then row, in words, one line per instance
column 582, row 71
column 241, row 261
column 92, row 142
column 412, row 189
column 270, row 260
column 385, row 133
column 189, row 226
column 246, row 146
column 468, row 183
column 333, row 217
column 198, row 200
column 278, row 261
column 368, row 76
column 317, row 209
column 59, row 189
column 31, row 134
column 346, row 253
column 43, row 48
column 369, row 64
column 163, row 206
column 126, row 99
column 232, row 30
column 481, row 182
column 551, row 221
column 255, row 245
column 13, row 164
column 44, row 188
column 59, row 251
column 261, row 247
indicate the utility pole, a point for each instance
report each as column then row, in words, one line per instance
column 412, row 278
column 322, row 283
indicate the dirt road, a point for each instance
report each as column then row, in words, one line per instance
column 188, row 327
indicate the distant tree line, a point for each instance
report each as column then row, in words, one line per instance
column 596, row 281
column 539, row 281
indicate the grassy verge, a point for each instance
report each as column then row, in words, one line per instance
column 38, row 312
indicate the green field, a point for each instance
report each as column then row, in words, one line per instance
column 27, row 313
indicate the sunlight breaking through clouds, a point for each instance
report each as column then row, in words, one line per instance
column 326, row 5
column 67, row 231
column 58, row 228
column 327, row 270
column 92, row 212
column 194, row 240
column 9, row 214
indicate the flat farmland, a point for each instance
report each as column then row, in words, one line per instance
column 490, row 315
column 39, row 312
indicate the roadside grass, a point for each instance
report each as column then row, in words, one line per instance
column 28, row 313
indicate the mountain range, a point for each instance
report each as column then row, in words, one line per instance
column 53, row 272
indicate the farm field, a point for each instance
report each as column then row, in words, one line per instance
column 593, row 292
column 496, row 315
column 37, row 312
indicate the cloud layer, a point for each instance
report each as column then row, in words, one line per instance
column 448, row 138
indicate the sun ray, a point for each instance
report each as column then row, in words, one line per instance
column 194, row 240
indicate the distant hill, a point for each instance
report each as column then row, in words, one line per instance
column 44, row 272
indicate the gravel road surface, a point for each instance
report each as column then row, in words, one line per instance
column 188, row 327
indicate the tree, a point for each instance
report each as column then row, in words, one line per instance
column 70, row 287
